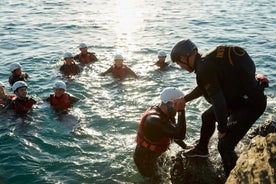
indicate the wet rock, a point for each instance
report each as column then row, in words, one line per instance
column 193, row 171
column 258, row 164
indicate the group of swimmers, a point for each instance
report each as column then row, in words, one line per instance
column 21, row 103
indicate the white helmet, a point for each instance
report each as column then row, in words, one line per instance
column 118, row 56
column 60, row 84
column 14, row 66
column 162, row 54
column 82, row 45
column 19, row 84
column 170, row 94
column 2, row 84
column 68, row 55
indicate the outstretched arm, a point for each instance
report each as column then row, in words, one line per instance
column 129, row 71
column 106, row 72
column 195, row 93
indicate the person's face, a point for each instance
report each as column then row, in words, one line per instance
column 162, row 58
column 118, row 63
column 22, row 92
column 18, row 71
column 68, row 60
column 2, row 91
column 59, row 91
column 187, row 63
column 83, row 50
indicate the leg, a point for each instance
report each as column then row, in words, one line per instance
column 239, row 123
column 145, row 161
column 207, row 128
column 206, row 132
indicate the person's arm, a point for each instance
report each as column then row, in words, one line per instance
column 195, row 93
column 106, row 72
column 156, row 129
column 93, row 57
column 130, row 72
column 73, row 99
column 220, row 109
column 76, row 57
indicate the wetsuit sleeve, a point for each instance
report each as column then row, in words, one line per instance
column 74, row 99
column 130, row 72
column 93, row 57
column 155, row 128
column 220, row 108
column 76, row 57
column 107, row 71
column 181, row 143
column 193, row 94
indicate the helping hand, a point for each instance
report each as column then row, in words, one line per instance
column 179, row 103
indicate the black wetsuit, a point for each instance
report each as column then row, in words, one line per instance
column 161, row 65
column 15, row 78
column 226, row 78
column 156, row 127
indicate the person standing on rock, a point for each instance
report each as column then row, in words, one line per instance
column 157, row 128
column 226, row 78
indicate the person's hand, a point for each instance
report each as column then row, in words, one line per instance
column 179, row 103
column 221, row 135
column 189, row 146
column 26, row 75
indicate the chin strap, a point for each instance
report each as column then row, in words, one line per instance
column 169, row 108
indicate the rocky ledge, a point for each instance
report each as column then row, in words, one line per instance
column 256, row 164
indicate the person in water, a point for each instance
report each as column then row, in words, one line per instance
column 5, row 98
column 161, row 63
column 226, row 78
column 22, row 103
column 118, row 69
column 85, row 57
column 157, row 128
column 60, row 99
column 17, row 74
column 69, row 67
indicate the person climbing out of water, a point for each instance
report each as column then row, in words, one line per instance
column 161, row 63
column 60, row 99
column 22, row 103
column 157, row 128
column 69, row 67
column 5, row 98
column 118, row 69
column 85, row 57
column 17, row 74
column 226, row 78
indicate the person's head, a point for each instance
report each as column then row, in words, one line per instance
column 168, row 95
column 59, row 88
column 20, row 89
column 2, row 90
column 118, row 60
column 68, row 57
column 162, row 56
column 83, row 48
column 184, row 53
column 15, row 68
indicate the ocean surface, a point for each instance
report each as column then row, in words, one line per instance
column 94, row 142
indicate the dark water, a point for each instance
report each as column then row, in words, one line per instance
column 94, row 143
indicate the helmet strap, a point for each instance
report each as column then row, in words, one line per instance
column 169, row 108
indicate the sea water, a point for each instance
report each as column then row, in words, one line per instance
column 94, row 142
